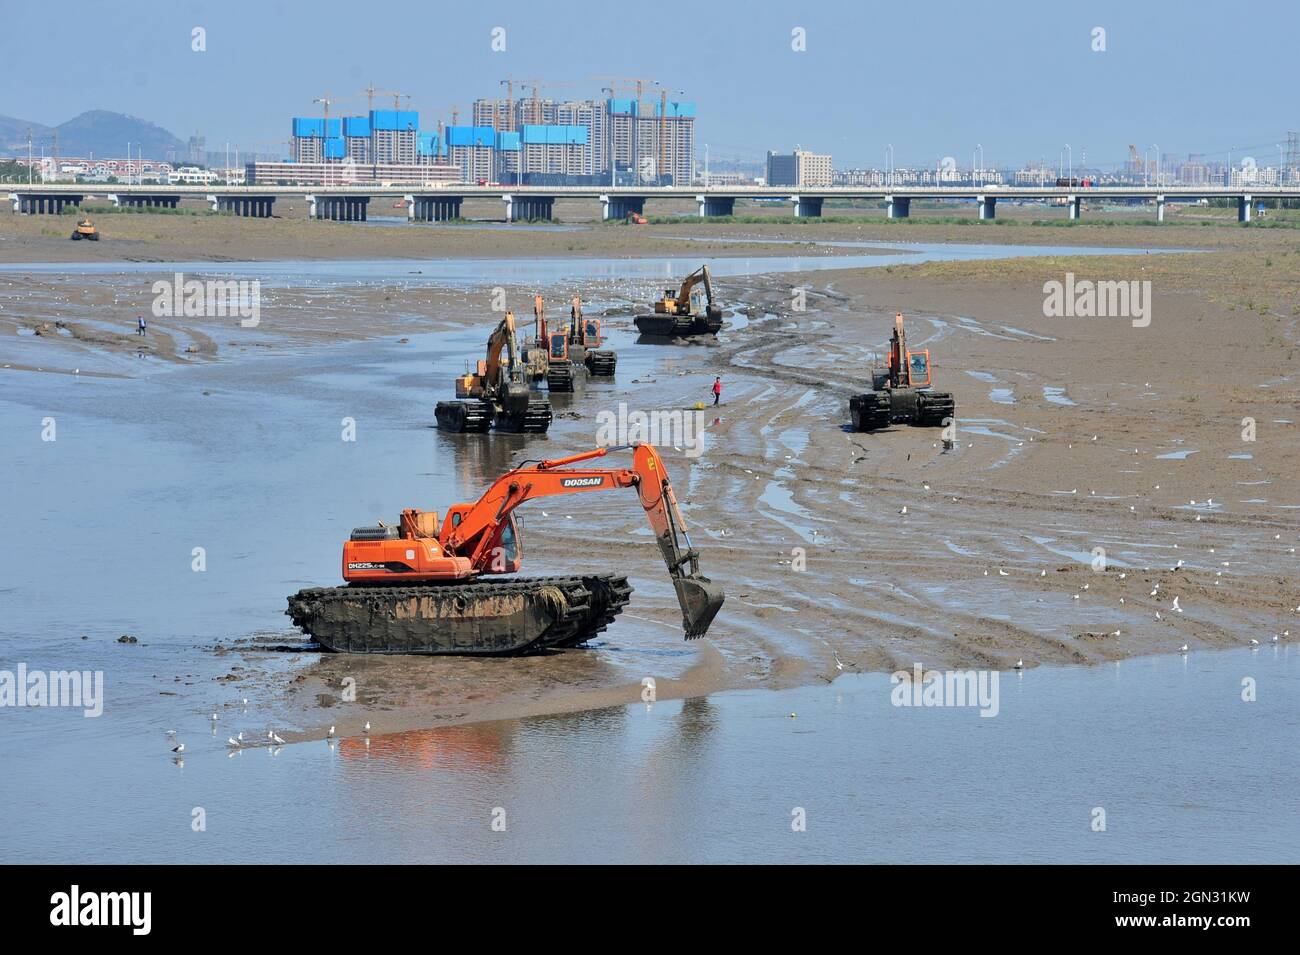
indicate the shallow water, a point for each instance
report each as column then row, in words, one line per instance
column 543, row 271
column 1183, row 768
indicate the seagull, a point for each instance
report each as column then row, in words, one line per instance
column 214, row 717
column 231, row 741
column 1002, row 573
column 1183, row 648
column 178, row 748
column 331, row 732
column 367, row 726
column 1176, row 607
column 1042, row 573
column 1275, row 638
column 1254, row 642
column 1154, row 589
column 1020, row 664
column 1158, row 617
column 277, row 739
column 244, row 701
column 904, row 510
column 839, row 664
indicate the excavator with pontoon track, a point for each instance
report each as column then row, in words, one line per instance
column 685, row 312
column 426, row 586
column 585, row 341
column 496, row 394
column 546, row 354
column 900, row 392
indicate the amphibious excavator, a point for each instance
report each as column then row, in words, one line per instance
column 425, row 587
column 546, row 354
column 585, row 342
column 684, row 312
column 85, row 230
column 900, row 392
column 496, row 394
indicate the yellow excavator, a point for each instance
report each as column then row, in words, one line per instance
column 496, row 393
column 85, row 230
column 686, row 312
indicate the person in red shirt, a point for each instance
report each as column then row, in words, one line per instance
column 717, row 390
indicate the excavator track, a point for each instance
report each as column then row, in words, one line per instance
column 876, row 410
column 934, row 409
column 559, row 376
column 870, row 411
column 464, row 416
column 535, row 419
column 484, row 618
column 602, row 363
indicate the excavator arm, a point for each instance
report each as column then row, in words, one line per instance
column 480, row 526
column 501, row 339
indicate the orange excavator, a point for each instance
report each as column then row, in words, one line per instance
column 586, row 339
column 426, row 587
column 546, row 355
column 900, row 392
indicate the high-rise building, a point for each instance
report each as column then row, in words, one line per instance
column 394, row 135
column 654, row 142
column 800, row 168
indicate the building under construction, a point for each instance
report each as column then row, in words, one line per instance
column 648, row 141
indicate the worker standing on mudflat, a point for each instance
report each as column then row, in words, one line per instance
column 139, row 325
column 717, row 390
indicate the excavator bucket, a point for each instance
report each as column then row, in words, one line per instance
column 701, row 599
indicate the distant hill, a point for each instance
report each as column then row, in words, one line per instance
column 96, row 132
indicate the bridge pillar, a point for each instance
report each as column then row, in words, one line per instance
column 1243, row 208
column 620, row 207
column 988, row 206
column 898, row 207
column 1075, row 205
column 526, row 208
column 1160, row 208
column 436, row 208
column 37, row 204
column 254, row 207
column 716, row 206
column 806, row 207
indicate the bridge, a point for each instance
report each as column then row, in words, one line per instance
column 442, row 201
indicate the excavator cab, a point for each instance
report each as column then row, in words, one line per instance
column 918, row 368
column 559, row 346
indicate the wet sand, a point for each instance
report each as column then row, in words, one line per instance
column 1073, row 434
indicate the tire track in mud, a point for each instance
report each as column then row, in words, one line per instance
column 1002, row 596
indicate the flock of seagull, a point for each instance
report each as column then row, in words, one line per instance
column 237, row 742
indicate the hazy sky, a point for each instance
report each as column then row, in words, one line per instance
column 933, row 78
